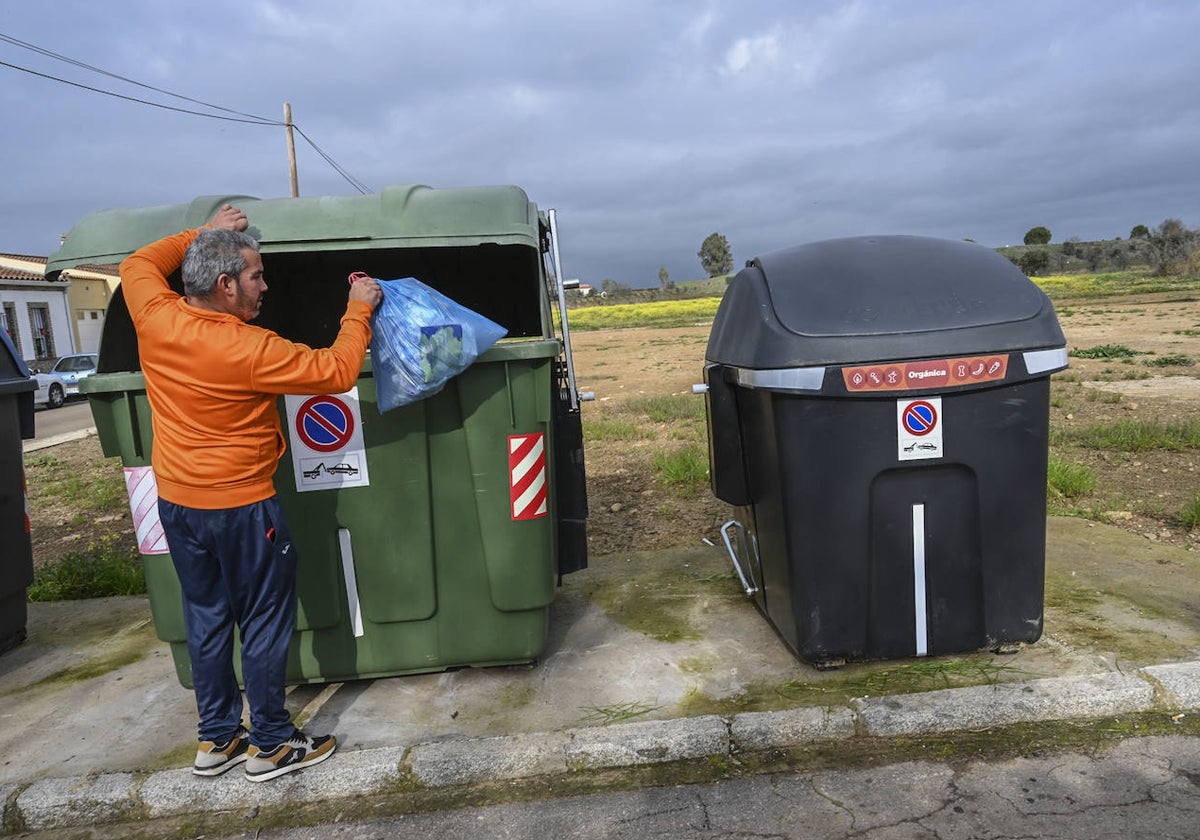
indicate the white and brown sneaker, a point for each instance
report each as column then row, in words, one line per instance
column 214, row 758
column 295, row 753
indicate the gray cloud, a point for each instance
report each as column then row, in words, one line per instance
column 647, row 125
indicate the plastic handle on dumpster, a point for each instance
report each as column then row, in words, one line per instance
column 356, row 276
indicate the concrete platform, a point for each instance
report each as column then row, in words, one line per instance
column 651, row 658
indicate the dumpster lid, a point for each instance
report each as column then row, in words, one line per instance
column 399, row 216
column 871, row 298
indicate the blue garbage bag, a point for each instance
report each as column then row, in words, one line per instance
column 421, row 339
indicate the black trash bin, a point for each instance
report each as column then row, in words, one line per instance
column 878, row 413
column 16, row 558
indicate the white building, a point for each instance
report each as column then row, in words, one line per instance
column 34, row 312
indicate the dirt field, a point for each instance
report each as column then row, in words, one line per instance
column 1142, row 494
column 632, row 510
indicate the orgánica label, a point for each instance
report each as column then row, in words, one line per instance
column 930, row 373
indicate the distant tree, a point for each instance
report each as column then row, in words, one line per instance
column 1038, row 236
column 715, row 256
column 1070, row 248
column 612, row 287
column 664, row 279
column 1139, row 232
column 1172, row 247
column 1034, row 262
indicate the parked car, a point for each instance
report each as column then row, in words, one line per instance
column 62, row 380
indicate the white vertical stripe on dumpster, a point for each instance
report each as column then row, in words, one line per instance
column 351, row 579
column 918, row 531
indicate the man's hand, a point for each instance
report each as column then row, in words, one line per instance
column 229, row 218
column 367, row 290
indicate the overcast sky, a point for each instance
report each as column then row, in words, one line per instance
column 647, row 125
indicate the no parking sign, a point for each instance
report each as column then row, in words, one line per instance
column 919, row 429
column 327, row 443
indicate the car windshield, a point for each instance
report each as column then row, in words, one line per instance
column 70, row 364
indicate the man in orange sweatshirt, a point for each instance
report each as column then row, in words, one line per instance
column 213, row 380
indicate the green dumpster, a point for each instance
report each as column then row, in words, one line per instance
column 16, row 560
column 432, row 536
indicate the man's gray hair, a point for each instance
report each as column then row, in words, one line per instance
column 214, row 251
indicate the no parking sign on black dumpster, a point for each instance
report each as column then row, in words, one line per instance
column 878, row 415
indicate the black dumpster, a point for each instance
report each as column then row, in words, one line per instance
column 16, row 558
column 878, row 412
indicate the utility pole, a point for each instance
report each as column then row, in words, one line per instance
column 291, row 146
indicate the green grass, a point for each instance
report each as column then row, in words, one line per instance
column 1102, row 396
column 102, row 570
column 878, row 679
column 1189, row 517
column 605, row 428
column 1065, row 480
column 714, row 286
column 1111, row 284
column 1103, row 351
column 615, row 714
column 1172, row 360
column 51, row 478
column 1132, row 436
column 668, row 408
column 683, row 470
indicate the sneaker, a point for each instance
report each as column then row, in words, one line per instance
column 293, row 754
column 213, row 759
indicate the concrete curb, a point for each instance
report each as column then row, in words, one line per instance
column 981, row 706
column 90, row 800
column 35, row 445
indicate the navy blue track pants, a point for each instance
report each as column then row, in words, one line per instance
column 236, row 566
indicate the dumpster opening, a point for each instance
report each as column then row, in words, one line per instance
column 306, row 292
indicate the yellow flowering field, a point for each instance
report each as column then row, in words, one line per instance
column 662, row 313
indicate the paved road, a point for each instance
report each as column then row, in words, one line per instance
column 1140, row 788
column 75, row 417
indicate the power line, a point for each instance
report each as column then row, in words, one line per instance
column 51, row 54
column 255, row 121
column 251, row 119
column 354, row 182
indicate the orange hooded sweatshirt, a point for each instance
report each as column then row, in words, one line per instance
column 213, row 381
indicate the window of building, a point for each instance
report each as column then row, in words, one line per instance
column 43, row 335
column 10, row 325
